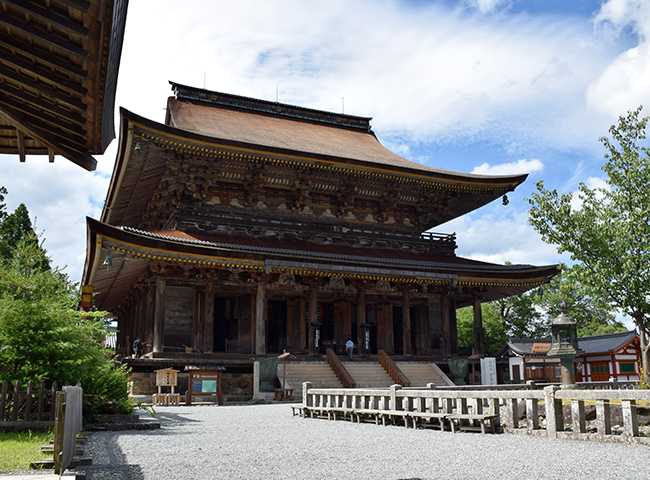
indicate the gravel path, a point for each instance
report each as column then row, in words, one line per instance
column 266, row 442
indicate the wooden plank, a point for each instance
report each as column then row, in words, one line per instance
column 3, row 400
column 43, row 36
column 28, row 401
column 40, row 88
column 49, row 16
column 81, row 5
column 59, row 431
column 21, row 145
column 16, row 401
column 41, row 402
column 43, row 56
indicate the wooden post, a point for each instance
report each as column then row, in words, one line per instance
column 260, row 319
column 313, row 317
column 41, row 401
column 3, row 400
column 159, row 317
column 406, row 324
column 208, row 318
column 58, row 431
column 479, row 344
column 446, row 325
column 28, row 402
column 14, row 415
column 361, row 317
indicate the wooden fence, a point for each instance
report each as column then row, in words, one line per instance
column 34, row 407
column 489, row 408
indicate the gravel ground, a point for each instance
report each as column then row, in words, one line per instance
column 265, row 441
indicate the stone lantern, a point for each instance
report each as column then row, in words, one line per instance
column 564, row 345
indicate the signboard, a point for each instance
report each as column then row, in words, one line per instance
column 206, row 383
column 488, row 371
column 541, row 347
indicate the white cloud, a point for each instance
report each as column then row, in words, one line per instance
column 624, row 84
column 500, row 236
column 511, row 168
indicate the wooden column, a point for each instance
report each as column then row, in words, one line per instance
column 159, row 316
column 446, row 325
column 385, row 327
column 453, row 326
column 361, row 317
column 342, row 321
column 406, row 324
column 208, row 318
column 313, row 317
column 197, row 326
column 260, row 319
column 479, row 344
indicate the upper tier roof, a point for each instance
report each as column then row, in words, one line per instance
column 288, row 127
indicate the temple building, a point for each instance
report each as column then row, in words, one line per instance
column 243, row 227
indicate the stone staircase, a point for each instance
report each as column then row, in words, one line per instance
column 368, row 374
column 318, row 373
column 365, row 374
column 421, row 373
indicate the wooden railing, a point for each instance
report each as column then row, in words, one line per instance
column 393, row 370
column 26, row 406
column 503, row 405
column 339, row 370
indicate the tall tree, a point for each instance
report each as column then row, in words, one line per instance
column 607, row 231
column 15, row 227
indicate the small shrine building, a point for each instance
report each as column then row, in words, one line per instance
column 243, row 226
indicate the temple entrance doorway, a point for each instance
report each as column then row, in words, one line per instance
column 226, row 322
column 398, row 331
column 276, row 327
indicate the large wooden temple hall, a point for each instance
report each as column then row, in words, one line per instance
column 248, row 227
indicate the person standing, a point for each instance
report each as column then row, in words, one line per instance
column 349, row 347
column 137, row 347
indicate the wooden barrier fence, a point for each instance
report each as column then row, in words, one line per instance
column 484, row 409
column 26, row 408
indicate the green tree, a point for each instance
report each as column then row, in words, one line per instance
column 607, row 231
column 14, row 228
column 593, row 315
column 43, row 335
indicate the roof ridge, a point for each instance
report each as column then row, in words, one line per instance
column 257, row 105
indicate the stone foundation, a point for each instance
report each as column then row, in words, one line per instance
column 237, row 387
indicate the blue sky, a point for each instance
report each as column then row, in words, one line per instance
column 483, row 86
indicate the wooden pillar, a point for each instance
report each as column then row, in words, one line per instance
column 446, row 325
column 208, row 318
column 479, row 344
column 385, row 327
column 342, row 321
column 159, row 316
column 197, row 326
column 406, row 324
column 361, row 315
column 313, row 317
column 303, row 326
column 260, row 319
column 453, row 326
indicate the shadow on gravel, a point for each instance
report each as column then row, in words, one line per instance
column 109, row 462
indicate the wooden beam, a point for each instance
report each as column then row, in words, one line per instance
column 41, row 55
column 57, row 144
column 81, row 5
column 21, row 145
column 38, row 35
column 62, row 82
column 57, row 122
column 41, row 88
column 50, row 154
column 48, row 16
